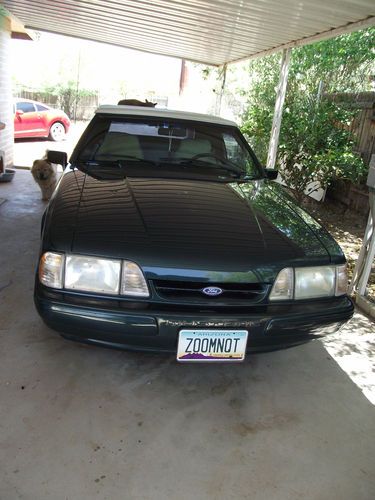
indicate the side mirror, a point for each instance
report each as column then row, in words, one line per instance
column 271, row 173
column 19, row 112
column 59, row 157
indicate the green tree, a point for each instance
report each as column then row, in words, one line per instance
column 68, row 96
column 315, row 142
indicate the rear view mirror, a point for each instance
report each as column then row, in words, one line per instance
column 19, row 112
column 271, row 173
column 59, row 157
column 173, row 132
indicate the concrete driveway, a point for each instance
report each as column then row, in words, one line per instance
column 28, row 150
column 81, row 422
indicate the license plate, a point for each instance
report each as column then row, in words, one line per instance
column 212, row 345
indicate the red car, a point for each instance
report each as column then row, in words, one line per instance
column 34, row 119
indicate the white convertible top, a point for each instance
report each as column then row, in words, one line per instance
column 162, row 113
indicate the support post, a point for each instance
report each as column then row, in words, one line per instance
column 366, row 256
column 183, row 77
column 364, row 279
column 278, row 113
column 222, row 90
column 77, row 85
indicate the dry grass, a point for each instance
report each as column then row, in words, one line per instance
column 347, row 227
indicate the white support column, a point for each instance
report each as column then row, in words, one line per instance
column 364, row 279
column 280, row 98
column 366, row 256
column 6, row 103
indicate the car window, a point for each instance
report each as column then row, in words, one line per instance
column 40, row 107
column 26, row 107
column 233, row 149
column 171, row 142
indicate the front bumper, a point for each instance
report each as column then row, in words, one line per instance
column 274, row 327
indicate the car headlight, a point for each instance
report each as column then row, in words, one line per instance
column 310, row 283
column 314, row 282
column 92, row 274
column 132, row 280
column 51, row 268
column 283, row 288
column 341, row 280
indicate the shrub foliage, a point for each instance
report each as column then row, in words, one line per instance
column 315, row 140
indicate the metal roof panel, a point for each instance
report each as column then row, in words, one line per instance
column 208, row 31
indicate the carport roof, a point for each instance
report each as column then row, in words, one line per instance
column 208, row 31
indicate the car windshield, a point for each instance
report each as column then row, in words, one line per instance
column 194, row 147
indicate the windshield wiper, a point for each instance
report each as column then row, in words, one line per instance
column 223, row 163
column 125, row 157
column 119, row 163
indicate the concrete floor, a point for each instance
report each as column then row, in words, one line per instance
column 27, row 150
column 80, row 422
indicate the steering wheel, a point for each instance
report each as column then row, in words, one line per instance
column 226, row 163
column 206, row 155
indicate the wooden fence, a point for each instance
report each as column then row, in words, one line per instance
column 84, row 110
column 363, row 125
column 363, row 130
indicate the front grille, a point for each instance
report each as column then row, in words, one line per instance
column 240, row 294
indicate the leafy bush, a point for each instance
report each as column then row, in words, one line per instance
column 316, row 146
column 68, row 97
column 315, row 141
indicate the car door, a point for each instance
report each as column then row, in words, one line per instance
column 27, row 121
column 44, row 117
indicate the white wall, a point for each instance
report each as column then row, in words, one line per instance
column 6, row 110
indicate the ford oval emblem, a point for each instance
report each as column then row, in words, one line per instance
column 212, row 291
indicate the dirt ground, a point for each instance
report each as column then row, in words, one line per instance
column 347, row 227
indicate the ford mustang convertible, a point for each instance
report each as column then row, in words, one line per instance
column 166, row 234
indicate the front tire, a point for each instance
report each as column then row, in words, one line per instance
column 57, row 132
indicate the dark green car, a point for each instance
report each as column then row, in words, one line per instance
column 166, row 234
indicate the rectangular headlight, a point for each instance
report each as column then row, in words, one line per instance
column 314, row 282
column 310, row 283
column 51, row 267
column 91, row 274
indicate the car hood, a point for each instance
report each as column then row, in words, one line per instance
column 185, row 224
